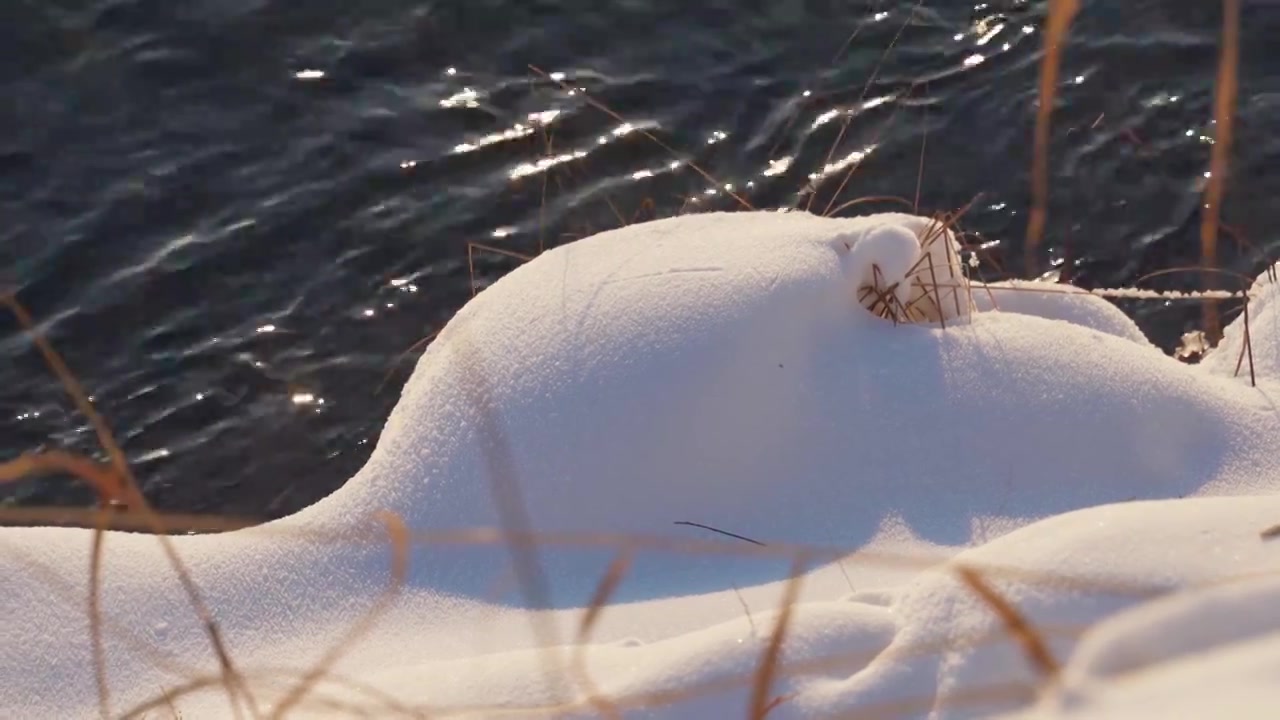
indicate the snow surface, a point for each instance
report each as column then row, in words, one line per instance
column 718, row 369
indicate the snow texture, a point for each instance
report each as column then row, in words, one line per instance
column 719, row 369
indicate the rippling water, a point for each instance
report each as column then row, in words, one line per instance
column 232, row 216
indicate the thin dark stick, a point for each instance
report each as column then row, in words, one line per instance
column 718, row 530
column 924, row 144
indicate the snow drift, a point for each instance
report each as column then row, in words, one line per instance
column 799, row 380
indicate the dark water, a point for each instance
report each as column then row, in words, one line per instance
column 232, row 216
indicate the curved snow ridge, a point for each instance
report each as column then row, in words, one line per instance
column 712, row 666
column 1172, row 628
column 1236, row 681
column 1064, row 575
column 1208, row 652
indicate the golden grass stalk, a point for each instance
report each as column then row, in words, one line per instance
column 101, row 477
column 1032, row 642
column 128, row 493
column 95, row 612
column 771, row 659
column 398, row 536
column 1224, row 104
column 608, row 585
column 1061, row 13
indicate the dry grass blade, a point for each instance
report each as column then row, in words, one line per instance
column 1032, row 643
column 508, row 499
column 937, row 301
column 776, row 702
column 399, row 537
column 609, row 582
column 131, row 496
column 771, row 660
column 1246, row 281
column 168, row 701
column 746, row 610
column 1061, row 14
column 866, row 21
column 277, row 678
column 810, row 190
column 412, row 348
column 940, row 229
column 1010, row 693
column 546, row 180
column 862, row 24
column 606, row 110
column 1247, row 349
column 617, row 213
column 99, row 476
column 946, row 233
column 95, row 611
column 886, row 305
column 845, row 573
column 471, row 260
column 718, row 531
column 555, row 172
column 924, row 145
column 1224, row 103
column 848, row 119
column 872, row 198
column 826, row 664
column 78, row 395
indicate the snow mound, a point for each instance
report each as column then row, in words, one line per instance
column 715, row 368
column 724, row 370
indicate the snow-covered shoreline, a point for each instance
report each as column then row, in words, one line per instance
column 724, row 369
